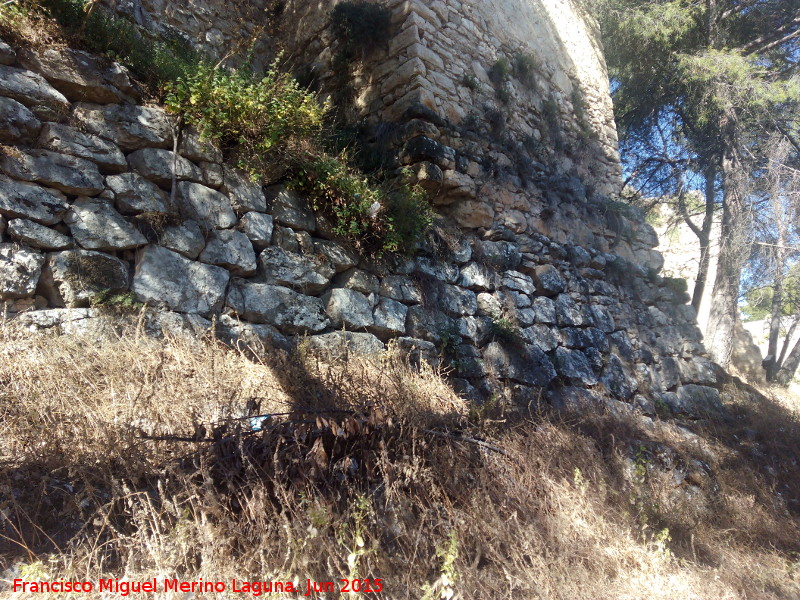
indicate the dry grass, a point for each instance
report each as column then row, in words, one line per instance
column 585, row 509
column 23, row 23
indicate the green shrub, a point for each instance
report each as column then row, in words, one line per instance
column 505, row 330
column 500, row 71
column 256, row 118
column 524, row 67
column 470, row 81
column 360, row 27
column 503, row 94
column 374, row 218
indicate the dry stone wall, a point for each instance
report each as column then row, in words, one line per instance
column 94, row 203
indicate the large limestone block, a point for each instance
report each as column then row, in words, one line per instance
column 476, row 277
column 348, row 308
column 290, row 209
column 38, row 236
column 68, row 140
column 20, row 269
column 17, row 123
column 250, row 336
column 197, row 149
column 358, row 280
column 472, row 213
column 342, row 343
column 278, row 306
column 569, row 314
column 456, row 301
column 336, row 254
column 66, row 173
column 307, row 274
column 526, row 365
column 134, row 194
column 129, row 126
column 695, row 401
column 230, row 249
column 74, row 278
column 209, row 208
column 184, row 238
column 30, row 201
column 165, row 278
column 95, row 225
column 32, row 90
column 245, row 194
column 258, row 228
column 400, row 288
column 389, row 318
column 574, row 366
column 76, row 74
column 156, row 164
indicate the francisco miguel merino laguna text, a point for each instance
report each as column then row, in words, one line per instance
column 254, row 588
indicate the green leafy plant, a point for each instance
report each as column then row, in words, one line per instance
column 505, row 330
column 374, row 217
column 503, row 94
column 470, row 81
column 443, row 587
column 500, row 72
column 258, row 118
column 524, row 67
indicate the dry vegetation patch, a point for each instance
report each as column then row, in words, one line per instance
column 135, row 457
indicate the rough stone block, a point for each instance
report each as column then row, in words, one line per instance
column 245, row 194
column 526, row 365
column 96, row 225
column 230, row 249
column 156, row 164
column 17, row 123
column 304, row 273
column 20, row 269
column 389, row 318
column 38, row 236
column 30, row 201
column 33, row 90
column 65, row 173
column 76, row 74
column 73, row 278
column 574, row 366
column 185, row 238
column 342, row 343
column 258, row 228
column 68, row 140
column 131, row 127
column 134, row 194
column 290, row 209
column 279, row 306
column 165, row 278
column 348, row 308
column 209, row 208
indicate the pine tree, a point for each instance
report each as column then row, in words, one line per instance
column 724, row 72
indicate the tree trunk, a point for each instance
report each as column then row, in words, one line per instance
column 733, row 248
column 704, row 237
column 787, row 371
column 772, row 363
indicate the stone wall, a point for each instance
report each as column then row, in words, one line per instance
column 95, row 204
column 440, row 55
